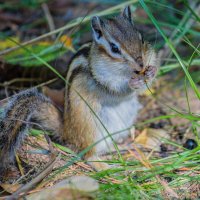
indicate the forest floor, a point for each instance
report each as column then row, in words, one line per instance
column 162, row 160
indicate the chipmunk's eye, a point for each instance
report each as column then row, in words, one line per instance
column 114, row 48
column 99, row 33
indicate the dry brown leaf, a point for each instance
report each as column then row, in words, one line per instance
column 152, row 138
column 10, row 188
column 67, row 42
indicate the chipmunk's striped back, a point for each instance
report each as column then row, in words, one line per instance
column 78, row 64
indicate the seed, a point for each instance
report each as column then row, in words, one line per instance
column 142, row 72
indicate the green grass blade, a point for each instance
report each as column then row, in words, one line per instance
column 193, row 85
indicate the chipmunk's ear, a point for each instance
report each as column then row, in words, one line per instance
column 97, row 27
column 127, row 14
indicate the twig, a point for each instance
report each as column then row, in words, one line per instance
column 7, row 83
column 49, row 18
column 37, row 86
column 51, row 148
column 25, row 175
column 46, row 83
column 19, row 164
column 40, row 176
column 25, row 188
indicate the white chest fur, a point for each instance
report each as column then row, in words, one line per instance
column 116, row 118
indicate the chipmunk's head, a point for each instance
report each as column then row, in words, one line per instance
column 120, row 52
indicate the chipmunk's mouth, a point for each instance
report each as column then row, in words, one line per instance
column 136, row 72
column 141, row 72
column 147, row 71
column 140, row 78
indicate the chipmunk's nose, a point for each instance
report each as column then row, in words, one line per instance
column 140, row 62
column 139, row 66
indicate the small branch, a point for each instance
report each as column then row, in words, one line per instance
column 3, row 101
column 49, row 18
column 7, row 83
column 46, row 83
column 25, row 188
column 40, row 176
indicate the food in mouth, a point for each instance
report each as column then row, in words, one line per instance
column 139, row 80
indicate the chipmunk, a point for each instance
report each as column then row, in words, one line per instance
column 104, row 77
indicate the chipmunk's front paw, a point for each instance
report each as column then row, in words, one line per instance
column 150, row 72
column 97, row 164
column 137, row 82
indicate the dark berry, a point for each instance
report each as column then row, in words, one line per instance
column 168, row 179
column 163, row 151
column 190, row 144
column 163, row 148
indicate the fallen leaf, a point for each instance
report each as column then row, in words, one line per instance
column 152, row 138
column 8, row 43
column 46, row 50
column 67, row 42
column 10, row 188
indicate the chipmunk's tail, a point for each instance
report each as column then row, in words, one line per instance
column 16, row 120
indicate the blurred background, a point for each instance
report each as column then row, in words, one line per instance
column 54, row 30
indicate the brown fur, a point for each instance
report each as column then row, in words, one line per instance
column 57, row 96
column 80, row 119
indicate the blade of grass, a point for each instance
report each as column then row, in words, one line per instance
column 169, row 67
column 191, row 10
column 193, row 85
